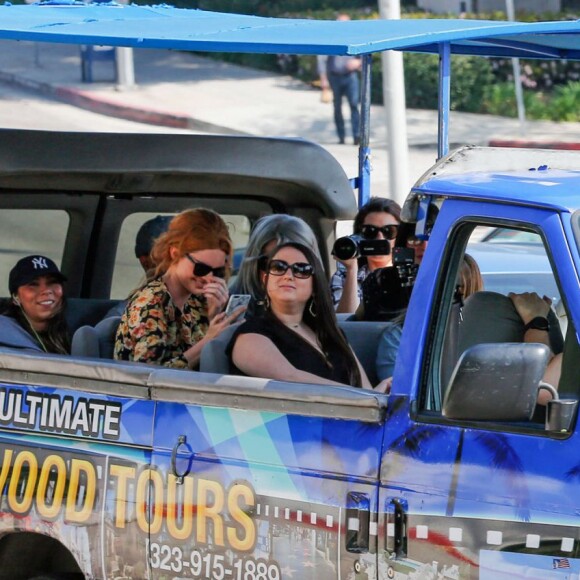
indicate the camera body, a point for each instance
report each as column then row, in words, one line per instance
column 404, row 262
column 355, row 246
column 387, row 291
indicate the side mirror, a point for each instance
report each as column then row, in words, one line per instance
column 496, row 382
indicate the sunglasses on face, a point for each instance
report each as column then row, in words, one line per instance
column 202, row 269
column 300, row 270
column 371, row 232
column 415, row 241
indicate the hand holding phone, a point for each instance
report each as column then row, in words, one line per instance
column 237, row 301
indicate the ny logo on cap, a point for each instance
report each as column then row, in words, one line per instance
column 39, row 262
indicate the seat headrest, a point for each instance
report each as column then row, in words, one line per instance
column 489, row 317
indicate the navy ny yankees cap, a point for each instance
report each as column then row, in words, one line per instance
column 29, row 268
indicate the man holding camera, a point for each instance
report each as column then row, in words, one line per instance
column 375, row 225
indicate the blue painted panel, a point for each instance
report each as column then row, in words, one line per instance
column 75, row 414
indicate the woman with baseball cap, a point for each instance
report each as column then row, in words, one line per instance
column 34, row 318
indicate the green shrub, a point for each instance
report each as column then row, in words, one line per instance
column 564, row 105
column 500, row 99
column 469, row 77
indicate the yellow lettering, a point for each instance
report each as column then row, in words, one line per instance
column 206, row 487
column 5, row 467
column 44, row 509
column 172, row 506
column 21, row 476
column 246, row 527
column 123, row 473
column 78, row 467
column 147, row 478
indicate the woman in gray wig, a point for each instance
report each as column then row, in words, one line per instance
column 268, row 232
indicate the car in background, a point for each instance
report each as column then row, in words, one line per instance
column 513, row 260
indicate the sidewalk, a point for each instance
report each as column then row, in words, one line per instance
column 177, row 89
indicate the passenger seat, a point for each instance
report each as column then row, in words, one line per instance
column 363, row 337
column 96, row 341
column 491, row 317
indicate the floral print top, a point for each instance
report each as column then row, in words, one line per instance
column 154, row 330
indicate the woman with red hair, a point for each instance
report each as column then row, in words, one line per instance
column 169, row 319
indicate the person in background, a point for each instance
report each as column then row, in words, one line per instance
column 297, row 338
column 146, row 236
column 267, row 233
column 379, row 218
column 534, row 311
column 469, row 281
column 168, row 320
column 34, row 318
column 340, row 73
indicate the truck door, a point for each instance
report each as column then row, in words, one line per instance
column 259, row 479
column 467, row 493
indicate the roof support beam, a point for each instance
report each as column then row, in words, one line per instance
column 364, row 151
column 444, row 99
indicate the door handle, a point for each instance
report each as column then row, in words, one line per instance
column 181, row 440
column 396, row 527
column 357, row 522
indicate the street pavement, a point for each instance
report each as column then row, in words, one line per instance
column 184, row 90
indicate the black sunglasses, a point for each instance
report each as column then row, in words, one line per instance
column 415, row 240
column 301, row 270
column 371, row 232
column 203, row 269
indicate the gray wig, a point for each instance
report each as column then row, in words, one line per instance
column 282, row 229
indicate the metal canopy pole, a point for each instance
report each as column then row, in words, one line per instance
column 364, row 150
column 125, row 68
column 517, row 75
column 444, row 99
column 394, row 100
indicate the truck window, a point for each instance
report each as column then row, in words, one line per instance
column 30, row 231
column 128, row 273
column 519, row 263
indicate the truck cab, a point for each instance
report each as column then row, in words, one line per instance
column 475, row 475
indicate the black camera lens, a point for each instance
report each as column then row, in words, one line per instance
column 345, row 248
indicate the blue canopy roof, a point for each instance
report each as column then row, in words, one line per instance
column 166, row 27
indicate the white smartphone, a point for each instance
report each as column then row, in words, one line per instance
column 237, row 300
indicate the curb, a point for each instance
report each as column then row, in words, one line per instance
column 101, row 105
column 521, row 143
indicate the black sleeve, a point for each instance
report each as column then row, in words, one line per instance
column 257, row 325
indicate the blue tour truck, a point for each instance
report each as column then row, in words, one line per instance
column 115, row 470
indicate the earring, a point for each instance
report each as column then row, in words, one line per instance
column 267, row 302
column 312, row 308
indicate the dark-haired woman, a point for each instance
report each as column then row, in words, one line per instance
column 34, row 318
column 297, row 339
column 379, row 218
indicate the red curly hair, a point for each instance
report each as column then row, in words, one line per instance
column 192, row 230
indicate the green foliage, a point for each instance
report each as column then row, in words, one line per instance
column 561, row 105
column 259, row 61
column 469, row 77
column 564, row 105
